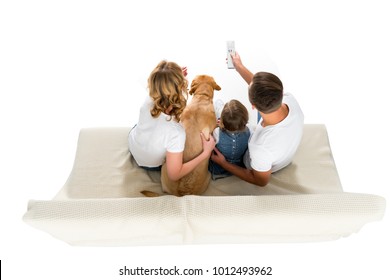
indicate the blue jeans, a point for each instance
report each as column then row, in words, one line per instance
column 233, row 146
column 157, row 168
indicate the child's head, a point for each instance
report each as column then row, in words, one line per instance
column 266, row 92
column 166, row 86
column 234, row 116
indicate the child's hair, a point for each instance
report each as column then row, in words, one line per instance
column 166, row 86
column 266, row 92
column 234, row 116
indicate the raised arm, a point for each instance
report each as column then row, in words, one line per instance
column 241, row 69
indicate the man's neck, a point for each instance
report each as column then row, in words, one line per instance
column 274, row 117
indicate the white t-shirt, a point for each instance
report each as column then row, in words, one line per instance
column 273, row 147
column 152, row 137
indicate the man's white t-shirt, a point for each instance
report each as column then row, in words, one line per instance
column 152, row 137
column 273, row 147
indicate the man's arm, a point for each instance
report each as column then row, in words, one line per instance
column 241, row 69
column 251, row 176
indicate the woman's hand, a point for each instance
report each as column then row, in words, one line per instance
column 208, row 145
column 184, row 70
column 176, row 169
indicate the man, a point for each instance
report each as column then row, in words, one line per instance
column 276, row 137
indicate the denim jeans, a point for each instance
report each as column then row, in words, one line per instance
column 157, row 168
column 233, row 146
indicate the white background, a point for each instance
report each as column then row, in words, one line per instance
column 65, row 65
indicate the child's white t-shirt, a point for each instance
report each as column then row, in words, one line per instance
column 273, row 147
column 152, row 137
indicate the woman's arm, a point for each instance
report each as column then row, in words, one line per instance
column 176, row 169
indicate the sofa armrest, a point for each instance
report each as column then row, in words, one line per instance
column 201, row 219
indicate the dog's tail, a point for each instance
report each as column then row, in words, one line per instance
column 150, row 194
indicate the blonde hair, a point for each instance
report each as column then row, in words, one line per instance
column 234, row 116
column 166, row 86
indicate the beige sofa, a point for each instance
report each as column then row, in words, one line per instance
column 101, row 205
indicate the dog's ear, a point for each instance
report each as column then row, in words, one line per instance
column 194, row 86
column 216, row 86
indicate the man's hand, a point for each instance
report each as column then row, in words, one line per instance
column 217, row 157
column 236, row 59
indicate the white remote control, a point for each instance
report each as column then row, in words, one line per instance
column 230, row 50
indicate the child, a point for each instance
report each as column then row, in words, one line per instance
column 158, row 136
column 232, row 137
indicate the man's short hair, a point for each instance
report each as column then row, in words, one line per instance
column 266, row 92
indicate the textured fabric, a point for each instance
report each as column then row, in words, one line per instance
column 101, row 204
column 103, row 168
column 197, row 219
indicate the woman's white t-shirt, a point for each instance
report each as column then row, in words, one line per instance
column 152, row 137
column 273, row 147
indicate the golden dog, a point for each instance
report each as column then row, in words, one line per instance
column 198, row 116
